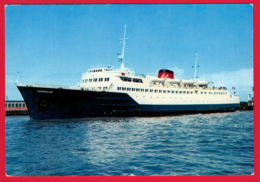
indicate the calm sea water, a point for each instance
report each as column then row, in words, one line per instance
column 201, row 144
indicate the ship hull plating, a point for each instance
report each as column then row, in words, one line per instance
column 58, row 103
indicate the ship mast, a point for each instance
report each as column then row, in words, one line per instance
column 123, row 51
column 195, row 68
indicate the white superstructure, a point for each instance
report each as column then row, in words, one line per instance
column 153, row 90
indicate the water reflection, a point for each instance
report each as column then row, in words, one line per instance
column 182, row 145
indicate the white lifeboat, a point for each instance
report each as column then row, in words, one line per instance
column 174, row 81
column 203, row 82
column 187, row 81
column 155, row 79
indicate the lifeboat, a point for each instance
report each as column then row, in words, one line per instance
column 188, row 82
column 174, row 81
column 155, row 79
column 203, row 82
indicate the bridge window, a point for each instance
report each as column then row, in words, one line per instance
column 118, row 88
column 106, row 79
column 151, row 90
column 125, row 79
column 137, row 80
column 133, row 89
column 100, row 79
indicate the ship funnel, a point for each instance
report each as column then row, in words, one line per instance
column 164, row 73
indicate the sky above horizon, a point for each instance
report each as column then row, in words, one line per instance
column 55, row 44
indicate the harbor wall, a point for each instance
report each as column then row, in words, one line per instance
column 246, row 106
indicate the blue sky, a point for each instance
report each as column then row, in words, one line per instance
column 55, row 44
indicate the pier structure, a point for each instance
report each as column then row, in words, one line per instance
column 15, row 107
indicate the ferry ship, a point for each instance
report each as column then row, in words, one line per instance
column 109, row 92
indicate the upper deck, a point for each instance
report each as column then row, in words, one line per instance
column 103, row 78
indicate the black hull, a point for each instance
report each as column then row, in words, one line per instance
column 58, row 103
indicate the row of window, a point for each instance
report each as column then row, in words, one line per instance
column 96, row 88
column 153, row 90
column 218, row 93
column 136, row 80
column 95, row 80
column 98, row 70
column 164, row 91
column 13, row 105
column 104, row 88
